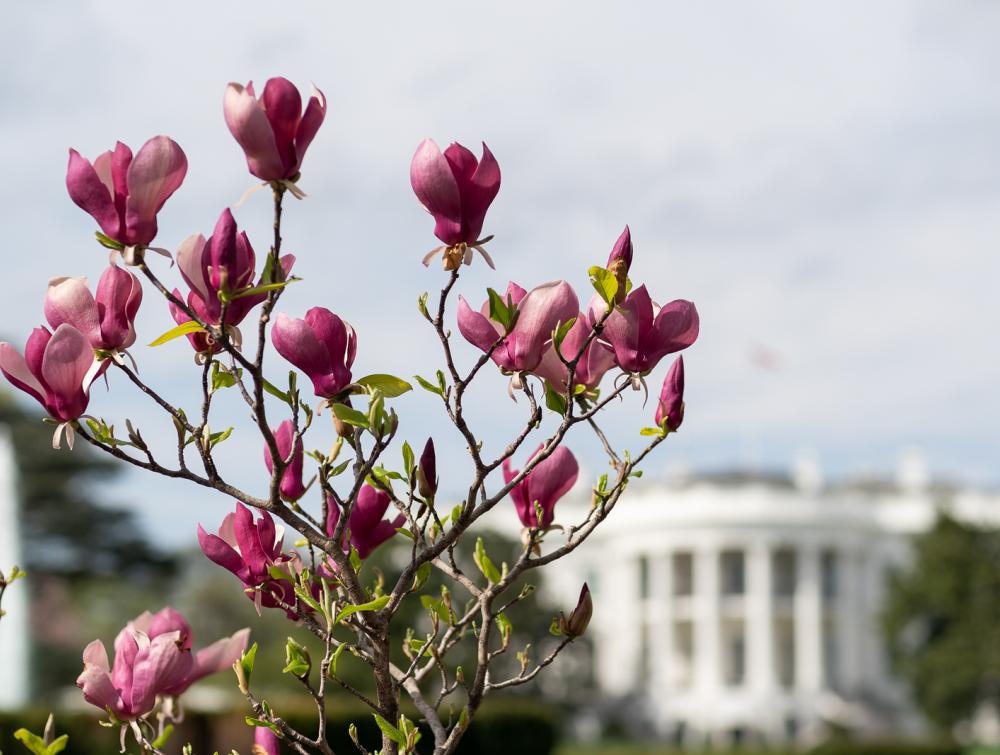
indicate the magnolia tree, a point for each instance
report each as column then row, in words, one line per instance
column 556, row 353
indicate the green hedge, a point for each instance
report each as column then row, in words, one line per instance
column 887, row 747
column 501, row 728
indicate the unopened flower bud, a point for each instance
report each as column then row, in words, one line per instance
column 265, row 742
column 670, row 409
column 577, row 622
column 427, row 479
column 619, row 262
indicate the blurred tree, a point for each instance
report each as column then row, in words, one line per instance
column 941, row 621
column 75, row 545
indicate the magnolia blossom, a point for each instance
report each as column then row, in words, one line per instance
column 427, row 479
column 124, row 194
column 223, row 264
column 291, row 487
column 641, row 334
column 265, row 742
column 670, row 408
column 153, row 657
column 578, row 621
column 538, row 312
column 55, row 370
column 594, row 361
column 457, row 190
column 322, row 345
column 273, row 131
column 367, row 528
column 543, row 486
column 107, row 319
column 249, row 550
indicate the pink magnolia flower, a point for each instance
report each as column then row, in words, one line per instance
column 291, row 487
column 621, row 253
column 54, row 370
column 641, row 334
column 249, row 550
column 107, row 319
column 265, row 742
column 152, row 657
column 222, row 264
column 273, row 131
column 367, row 528
column 124, row 194
column 322, row 345
column 670, row 409
column 457, row 190
column 544, row 485
column 538, row 313
column 594, row 362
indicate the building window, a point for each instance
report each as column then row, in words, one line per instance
column 733, row 578
column 733, row 653
column 828, row 574
column 783, row 573
column 643, row 577
column 683, row 568
column 831, row 660
column 682, row 657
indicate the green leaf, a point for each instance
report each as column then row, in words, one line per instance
column 162, row 740
column 251, row 721
column 335, row 658
column 422, row 305
column 373, row 605
column 428, row 386
column 504, row 625
column 32, row 741
column 262, row 289
column 554, row 400
column 389, row 730
column 484, row 563
column 276, row 392
column 604, row 283
column 502, row 312
column 456, row 513
column 247, row 661
column 351, row 416
column 405, row 532
column 422, row 574
column 216, row 438
column 409, row 461
column 297, row 660
column 559, row 335
column 183, row 329
column 108, row 243
column 554, row 628
column 390, row 385
column 658, row 431
column 435, row 606
column 224, row 378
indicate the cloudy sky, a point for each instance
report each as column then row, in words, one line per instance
column 823, row 180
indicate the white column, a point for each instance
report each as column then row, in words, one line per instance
column 760, row 619
column 851, row 618
column 14, row 637
column 707, row 676
column 618, row 647
column 660, row 608
column 808, row 621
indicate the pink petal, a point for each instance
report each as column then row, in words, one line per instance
column 312, row 119
column 434, row 184
column 538, row 314
column 15, row 369
column 67, row 359
column 90, row 194
column 283, row 106
column 192, row 264
column 219, row 656
column 480, row 332
column 156, row 172
column 119, row 294
column 250, row 127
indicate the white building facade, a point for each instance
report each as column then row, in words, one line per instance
column 745, row 609
column 14, row 627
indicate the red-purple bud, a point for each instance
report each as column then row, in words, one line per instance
column 456, row 188
column 578, row 621
column 273, row 131
column 368, row 529
column 321, row 345
column 670, row 409
column 427, row 479
column 291, row 487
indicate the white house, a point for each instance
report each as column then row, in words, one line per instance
column 744, row 608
